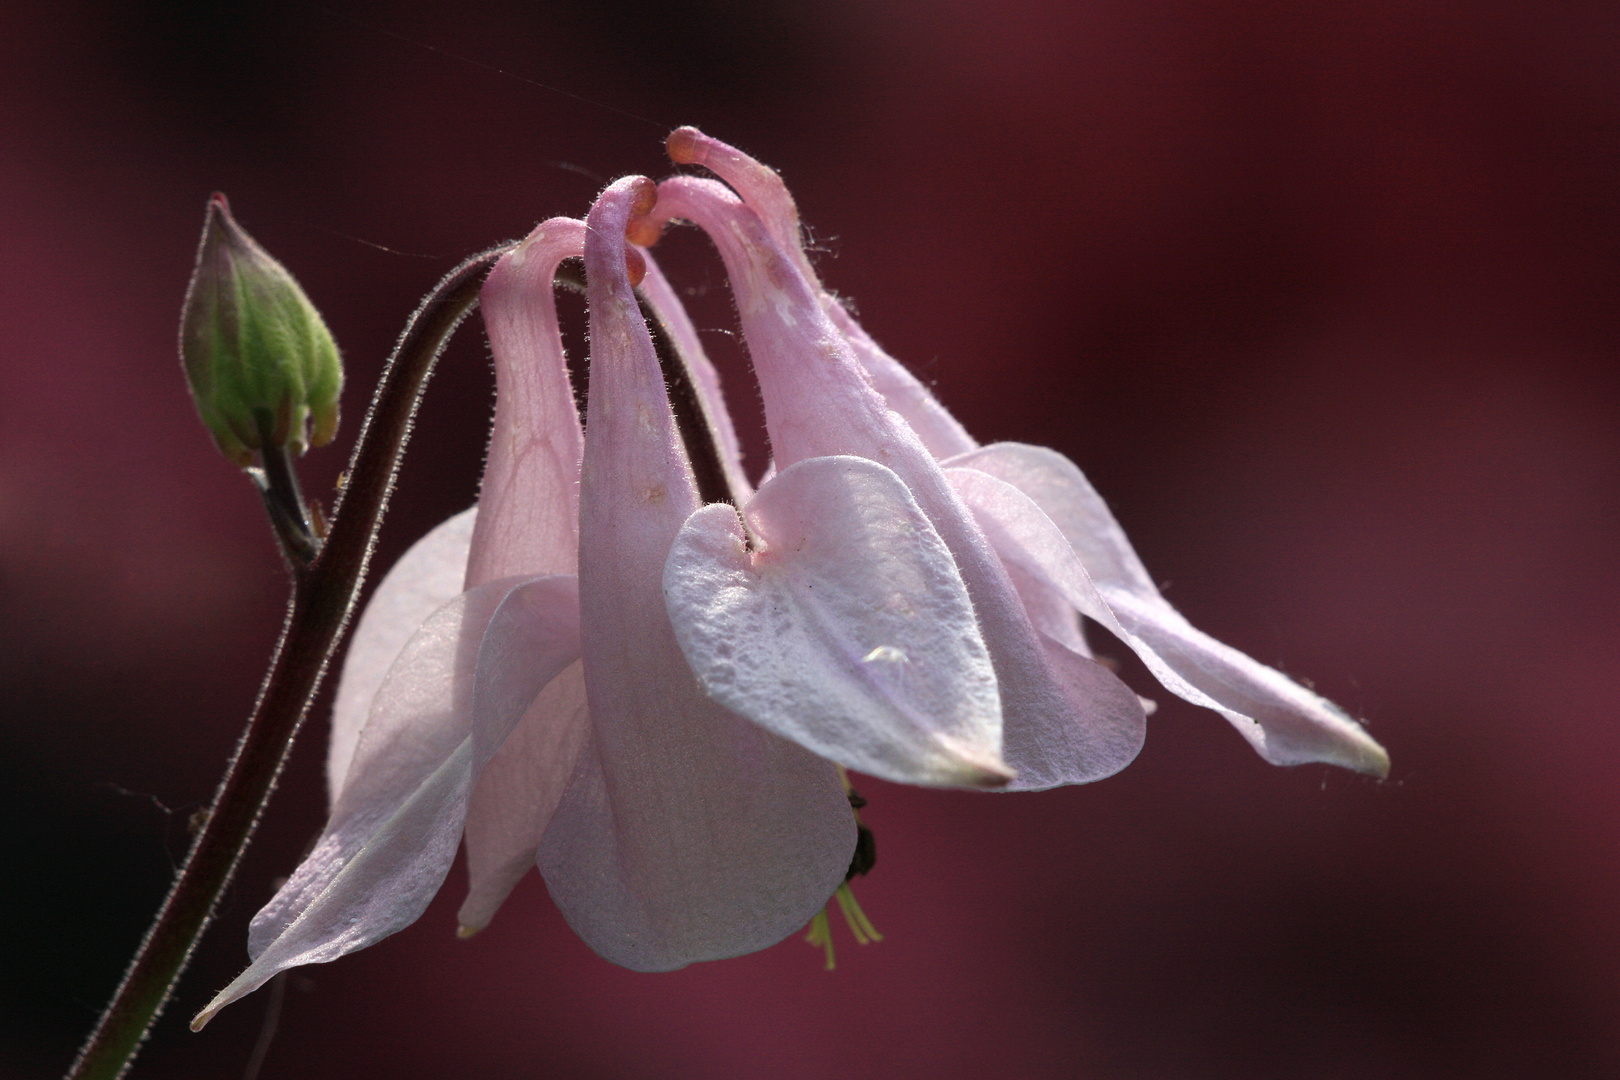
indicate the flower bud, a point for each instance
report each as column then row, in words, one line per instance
column 255, row 351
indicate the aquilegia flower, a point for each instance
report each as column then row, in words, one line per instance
column 648, row 694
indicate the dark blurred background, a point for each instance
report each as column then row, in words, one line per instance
column 1322, row 297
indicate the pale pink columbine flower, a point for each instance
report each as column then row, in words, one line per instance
column 828, row 388
column 646, row 695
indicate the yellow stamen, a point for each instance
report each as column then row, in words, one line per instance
column 859, row 924
column 821, row 934
column 860, row 927
column 820, row 931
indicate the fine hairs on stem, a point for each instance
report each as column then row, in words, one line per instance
column 326, row 576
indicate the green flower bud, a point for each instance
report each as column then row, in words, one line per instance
column 255, row 351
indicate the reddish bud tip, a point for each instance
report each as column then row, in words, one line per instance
column 636, row 265
column 643, row 197
column 687, row 146
column 644, row 232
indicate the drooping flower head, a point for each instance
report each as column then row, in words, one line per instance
column 632, row 669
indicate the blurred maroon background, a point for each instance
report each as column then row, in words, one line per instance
column 1322, row 297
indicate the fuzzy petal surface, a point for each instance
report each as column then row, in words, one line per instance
column 529, row 498
column 845, row 627
column 942, row 433
column 762, row 191
column 447, row 704
column 1043, row 516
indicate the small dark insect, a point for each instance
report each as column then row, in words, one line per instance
column 865, row 856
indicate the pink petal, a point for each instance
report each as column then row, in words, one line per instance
column 517, row 793
column 688, row 833
column 447, row 704
column 528, row 524
column 528, row 503
column 428, row 576
column 759, row 185
column 817, row 397
column 672, row 314
column 1101, row 732
column 763, row 192
column 1062, row 492
column 1043, row 516
column 1052, row 616
column 941, row 432
column 846, row 626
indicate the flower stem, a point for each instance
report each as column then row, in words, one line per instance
column 277, row 482
column 323, row 597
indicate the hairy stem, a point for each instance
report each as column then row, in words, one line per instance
column 277, row 482
column 324, row 593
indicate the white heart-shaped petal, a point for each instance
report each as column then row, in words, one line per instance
column 846, row 629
